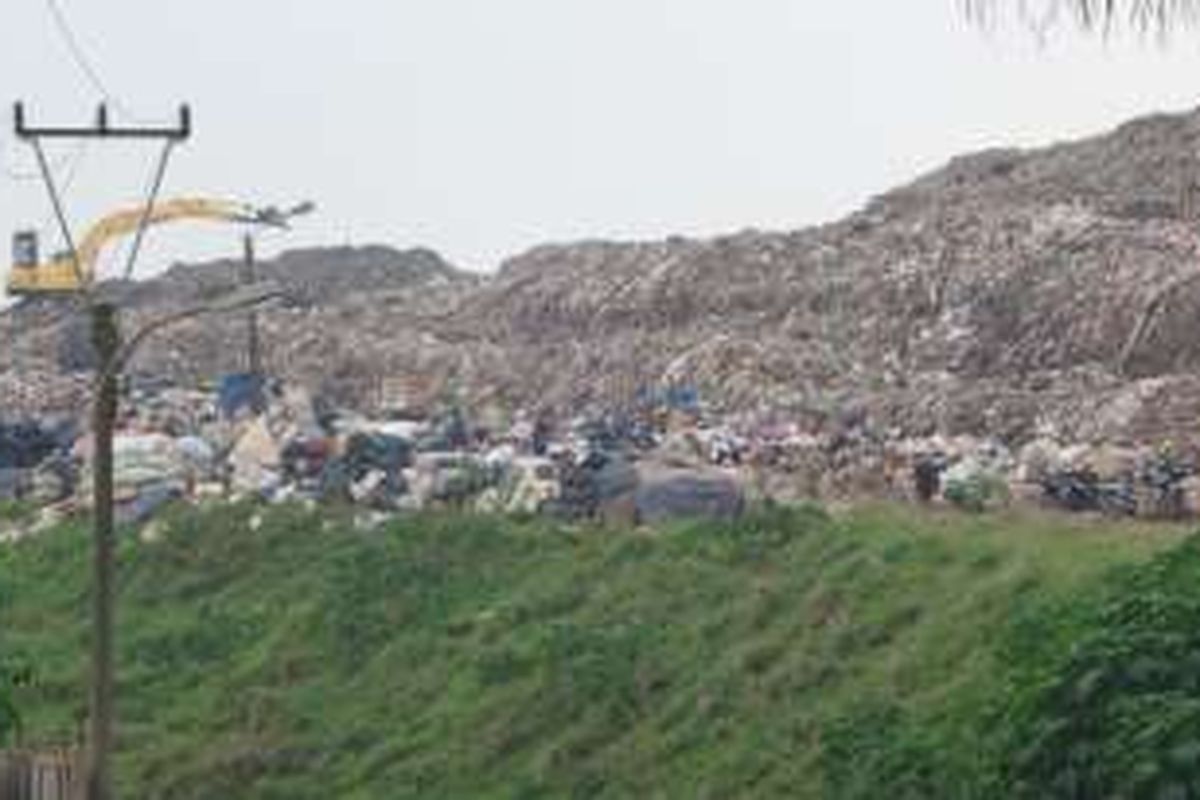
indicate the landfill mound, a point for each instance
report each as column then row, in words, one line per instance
column 320, row 275
column 1011, row 294
column 1008, row 294
column 329, row 294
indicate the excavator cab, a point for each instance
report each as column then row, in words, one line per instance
column 28, row 276
column 25, row 249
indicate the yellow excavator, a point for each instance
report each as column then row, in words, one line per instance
column 59, row 275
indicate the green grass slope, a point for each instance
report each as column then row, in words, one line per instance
column 793, row 654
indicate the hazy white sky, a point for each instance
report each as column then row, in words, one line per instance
column 483, row 127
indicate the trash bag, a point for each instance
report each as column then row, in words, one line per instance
column 14, row 483
column 615, row 477
column 688, row 494
column 52, row 482
column 973, row 485
column 378, row 451
column 24, row 445
column 256, row 459
column 199, row 457
column 456, row 485
column 454, row 430
column 335, row 482
column 240, row 391
column 927, row 476
column 144, row 459
column 534, row 487
column 1082, row 490
column 1163, row 476
column 304, row 458
column 375, row 452
column 594, row 479
column 148, row 500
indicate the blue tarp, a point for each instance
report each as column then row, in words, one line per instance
column 240, row 390
column 682, row 398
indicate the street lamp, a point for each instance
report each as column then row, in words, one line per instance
column 274, row 217
column 270, row 217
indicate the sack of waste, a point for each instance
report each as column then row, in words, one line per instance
column 971, row 485
column 670, row 494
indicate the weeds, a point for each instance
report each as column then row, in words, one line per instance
column 280, row 653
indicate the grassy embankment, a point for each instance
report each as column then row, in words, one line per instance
column 881, row 652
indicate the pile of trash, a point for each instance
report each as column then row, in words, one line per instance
column 1156, row 483
column 33, row 460
column 251, row 438
column 668, row 456
column 1152, row 482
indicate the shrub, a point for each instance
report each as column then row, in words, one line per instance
column 1118, row 715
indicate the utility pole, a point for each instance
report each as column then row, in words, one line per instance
column 113, row 352
column 106, row 339
column 250, row 276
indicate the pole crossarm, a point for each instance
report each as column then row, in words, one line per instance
column 102, row 130
column 169, row 136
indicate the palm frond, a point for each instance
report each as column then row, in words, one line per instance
column 1145, row 16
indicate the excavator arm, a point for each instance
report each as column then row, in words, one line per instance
column 59, row 275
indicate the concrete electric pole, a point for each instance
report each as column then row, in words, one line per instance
column 106, row 339
column 113, row 352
